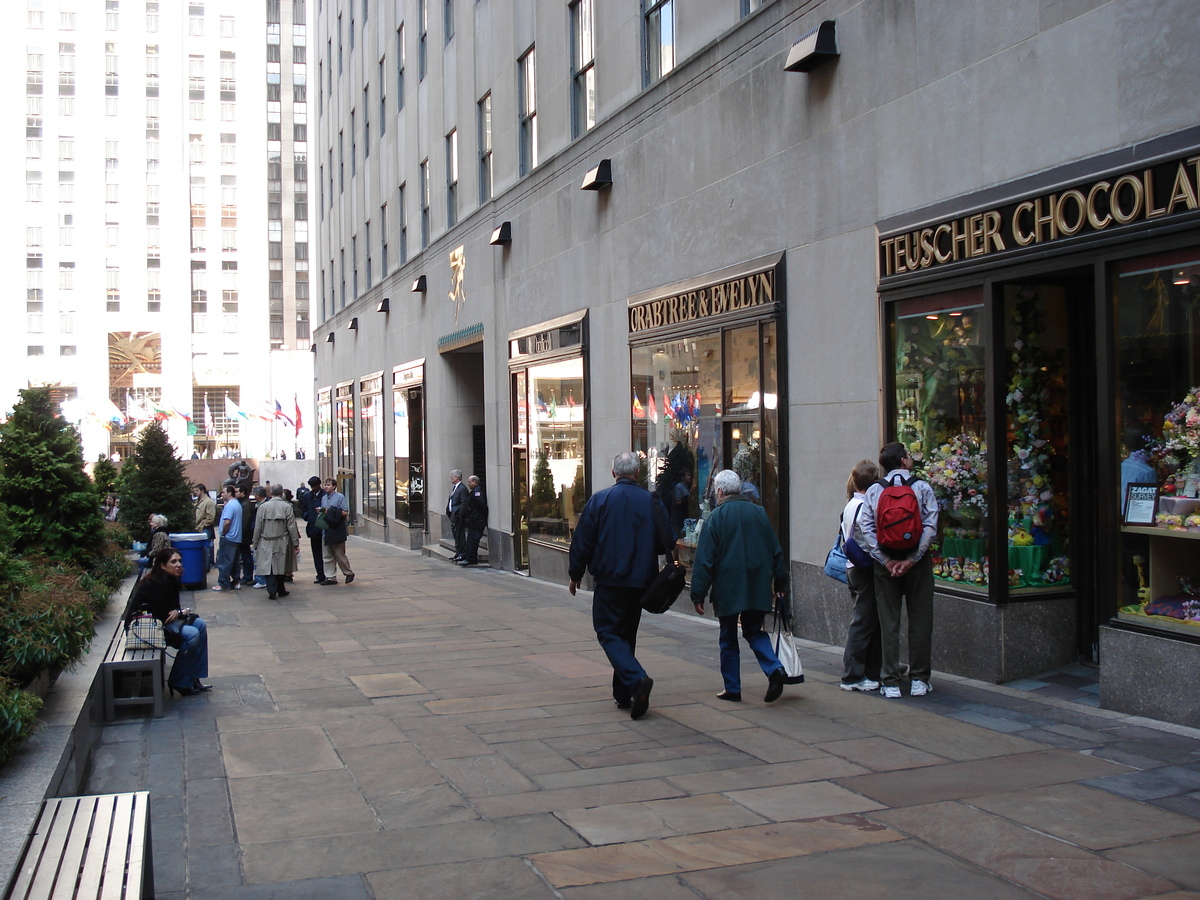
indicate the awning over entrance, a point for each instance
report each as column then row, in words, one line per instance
column 472, row 334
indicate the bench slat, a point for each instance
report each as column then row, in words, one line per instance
column 121, row 815
column 80, row 848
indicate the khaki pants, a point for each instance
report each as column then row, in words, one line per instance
column 336, row 554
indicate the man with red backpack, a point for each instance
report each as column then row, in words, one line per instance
column 899, row 522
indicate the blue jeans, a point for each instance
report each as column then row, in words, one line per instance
column 227, row 555
column 759, row 641
column 191, row 660
column 616, row 614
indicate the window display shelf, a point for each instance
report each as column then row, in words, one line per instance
column 1166, row 602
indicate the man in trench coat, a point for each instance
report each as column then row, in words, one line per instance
column 276, row 541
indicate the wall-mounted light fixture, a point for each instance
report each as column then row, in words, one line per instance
column 353, row 326
column 502, row 234
column 814, row 49
column 598, row 178
column 329, row 338
column 421, row 285
column 312, row 348
column 385, row 305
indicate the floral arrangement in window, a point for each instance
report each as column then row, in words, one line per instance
column 1029, row 452
column 1192, row 522
column 1181, row 426
column 958, row 474
column 1169, row 521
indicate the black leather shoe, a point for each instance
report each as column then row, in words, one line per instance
column 270, row 596
column 774, row 686
column 284, row 593
column 329, row 581
column 623, row 704
column 641, row 698
column 731, row 696
column 181, row 691
column 319, row 580
column 200, row 688
column 349, row 578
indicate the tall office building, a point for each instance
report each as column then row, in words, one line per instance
column 164, row 265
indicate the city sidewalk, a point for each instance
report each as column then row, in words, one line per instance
column 435, row 732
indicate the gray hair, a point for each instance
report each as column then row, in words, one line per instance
column 728, row 482
column 277, row 490
column 260, row 491
column 158, row 520
column 472, row 480
column 456, row 473
column 625, row 464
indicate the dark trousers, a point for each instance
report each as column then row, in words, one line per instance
column 459, row 529
column 914, row 591
column 471, row 545
column 211, row 534
column 864, row 652
column 275, row 585
column 246, row 555
column 317, row 545
column 616, row 614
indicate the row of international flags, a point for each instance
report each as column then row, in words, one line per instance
column 551, row 409
column 682, row 409
column 147, row 410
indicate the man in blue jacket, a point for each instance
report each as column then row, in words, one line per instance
column 617, row 541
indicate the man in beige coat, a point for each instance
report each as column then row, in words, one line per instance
column 276, row 541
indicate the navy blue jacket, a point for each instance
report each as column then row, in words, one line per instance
column 616, row 539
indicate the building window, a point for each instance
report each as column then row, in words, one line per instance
column 748, row 6
column 366, row 121
column 383, row 242
column 341, row 162
column 382, row 97
column 659, row 29
column 422, row 38
column 527, row 110
column 367, row 249
column 583, row 68
column 452, row 178
column 484, row 127
column 227, row 27
column 354, row 266
column 66, row 350
column 339, row 40
column 400, row 67
column 353, row 146
column 549, row 434
column 402, row 225
column 35, row 351
column 370, row 396
column 424, row 189
column 448, row 20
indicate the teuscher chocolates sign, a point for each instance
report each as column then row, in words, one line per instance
column 1151, row 193
column 744, row 292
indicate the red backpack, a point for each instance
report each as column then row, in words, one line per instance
column 898, row 523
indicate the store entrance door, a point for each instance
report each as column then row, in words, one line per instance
column 1050, row 437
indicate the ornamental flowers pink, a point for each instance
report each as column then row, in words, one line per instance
column 957, row 470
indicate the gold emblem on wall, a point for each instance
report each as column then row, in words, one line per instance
column 458, row 290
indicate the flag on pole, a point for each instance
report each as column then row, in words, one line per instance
column 296, row 400
column 210, row 428
column 280, row 414
column 653, row 409
column 233, row 411
column 638, row 412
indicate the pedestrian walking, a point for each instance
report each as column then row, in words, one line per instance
column 617, row 541
column 739, row 559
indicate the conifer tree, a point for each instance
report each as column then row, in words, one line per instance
column 104, row 476
column 48, row 499
column 543, row 501
column 154, row 480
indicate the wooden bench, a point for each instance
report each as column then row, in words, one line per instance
column 143, row 667
column 85, row 847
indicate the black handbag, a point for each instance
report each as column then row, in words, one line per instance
column 668, row 584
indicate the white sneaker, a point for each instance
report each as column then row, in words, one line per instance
column 865, row 685
column 920, row 688
column 892, row 693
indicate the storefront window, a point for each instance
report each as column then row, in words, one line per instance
column 1158, row 423
column 343, row 407
column 325, row 432
column 408, row 414
column 550, row 485
column 941, row 416
column 702, row 404
column 371, row 412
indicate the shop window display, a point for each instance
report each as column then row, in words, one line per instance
column 555, row 418
column 371, row 413
column 1158, row 424
column 408, row 454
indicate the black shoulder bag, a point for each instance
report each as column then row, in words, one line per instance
column 667, row 585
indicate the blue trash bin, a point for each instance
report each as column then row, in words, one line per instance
column 193, row 549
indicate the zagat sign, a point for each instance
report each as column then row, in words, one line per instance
column 1150, row 194
column 717, row 299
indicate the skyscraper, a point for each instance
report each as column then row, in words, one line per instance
column 149, row 200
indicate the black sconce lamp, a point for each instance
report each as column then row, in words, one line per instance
column 353, row 326
column 312, row 348
column 421, row 285
column 385, row 305
column 502, row 234
column 329, row 338
column 814, row 49
column 598, row 178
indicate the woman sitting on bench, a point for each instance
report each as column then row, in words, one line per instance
column 158, row 592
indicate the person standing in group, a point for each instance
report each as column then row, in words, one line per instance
column 243, row 570
column 231, row 538
column 862, row 657
column 337, row 513
column 260, row 495
column 475, row 516
column 310, row 502
column 276, row 541
column 738, row 558
column 455, row 509
column 617, row 541
column 205, row 509
column 898, row 530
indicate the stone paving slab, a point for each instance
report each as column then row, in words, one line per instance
column 433, row 731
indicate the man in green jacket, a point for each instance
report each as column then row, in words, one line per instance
column 740, row 560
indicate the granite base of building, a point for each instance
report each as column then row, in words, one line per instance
column 548, row 563
column 971, row 638
column 1149, row 675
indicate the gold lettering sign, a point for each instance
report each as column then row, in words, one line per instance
column 746, row 292
column 1156, row 192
